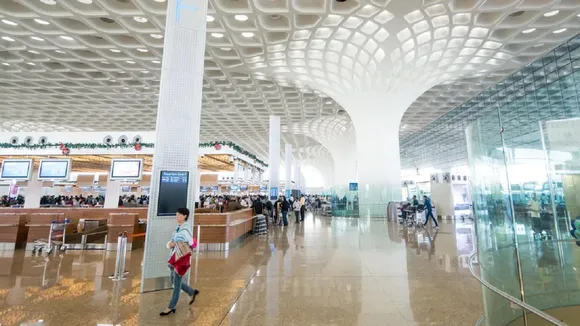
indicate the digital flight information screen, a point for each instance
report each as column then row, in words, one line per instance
column 172, row 192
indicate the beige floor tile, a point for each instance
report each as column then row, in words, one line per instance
column 326, row 272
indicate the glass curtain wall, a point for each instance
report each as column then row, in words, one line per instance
column 524, row 152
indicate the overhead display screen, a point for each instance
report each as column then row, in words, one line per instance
column 173, row 187
column 54, row 169
column 129, row 169
column 16, row 169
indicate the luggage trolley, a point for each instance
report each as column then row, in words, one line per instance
column 56, row 239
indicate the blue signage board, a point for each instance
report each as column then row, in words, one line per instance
column 264, row 188
column 244, row 187
column 203, row 189
column 273, row 193
column 234, row 187
column 214, row 188
column 288, row 193
column 353, row 186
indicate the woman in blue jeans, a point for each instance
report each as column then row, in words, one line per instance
column 181, row 234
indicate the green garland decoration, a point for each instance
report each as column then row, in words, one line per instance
column 127, row 145
column 236, row 148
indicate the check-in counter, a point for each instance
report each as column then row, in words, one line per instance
column 13, row 231
column 221, row 231
column 129, row 223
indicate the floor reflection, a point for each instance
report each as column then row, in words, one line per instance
column 342, row 271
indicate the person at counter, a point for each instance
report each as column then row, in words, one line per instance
column 234, row 205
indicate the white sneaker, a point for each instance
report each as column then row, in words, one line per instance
column 436, row 227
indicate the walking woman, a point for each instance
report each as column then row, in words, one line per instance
column 180, row 260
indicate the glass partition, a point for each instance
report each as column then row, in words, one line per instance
column 524, row 152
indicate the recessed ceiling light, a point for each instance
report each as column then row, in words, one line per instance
column 247, row 34
column 551, row 13
column 558, row 31
column 41, row 22
column 7, row 38
column 68, row 38
column 140, row 19
column 115, row 50
column 142, row 50
column 48, row 2
column 145, row 71
column 241, row 18
column 156, row 61
column 5, row 63
column 33, row 52
column 36, row 38
column 529, row 30
column 217, row 35
column 225, row 49
column 157, row 36
column 9, row 22
column 209, row 18
column 31, row 63
column 59, row 51
column 130, row 62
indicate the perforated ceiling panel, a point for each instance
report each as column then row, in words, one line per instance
column 95, row 64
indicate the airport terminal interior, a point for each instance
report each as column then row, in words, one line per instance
column 289, row 162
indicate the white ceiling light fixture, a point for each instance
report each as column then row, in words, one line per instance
column 115, row 50
column 209, row 18
column 241, row 18
column 33, row 52
column 9, row 22
column 36, row 38
column 59, row 51
column 156, row 61
column 225, row 49
column 142, row 50
column 68, row 38
column 248, row 34
column 140, row 19
column 5, row 63
column 145, row 71
column 86, row 2
column 561, row 30
column 159, row 0
column 41, row 22
column 529, row 30
column 48, row 2
column 551, row 13
column 31, row 63
column 7, row 38
column 130, row 62
column 157, row 36
column 217, row 35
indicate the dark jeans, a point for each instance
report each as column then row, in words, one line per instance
column 428, row 214
column 178, row 286
column 302, row 212
column 285, row 218
column 297, row 216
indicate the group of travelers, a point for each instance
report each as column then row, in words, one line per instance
column 133, row 200
column 72, row 201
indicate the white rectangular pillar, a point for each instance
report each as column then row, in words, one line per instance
column 112, row 193
column 178, row 125
column 288, row 167
column 296, row 175
column 33, row 191
column 274, row 156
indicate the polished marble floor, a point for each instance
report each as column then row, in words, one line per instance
column 325, row 271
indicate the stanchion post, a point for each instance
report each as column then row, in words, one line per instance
column 198, row 240
column 120, row 259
